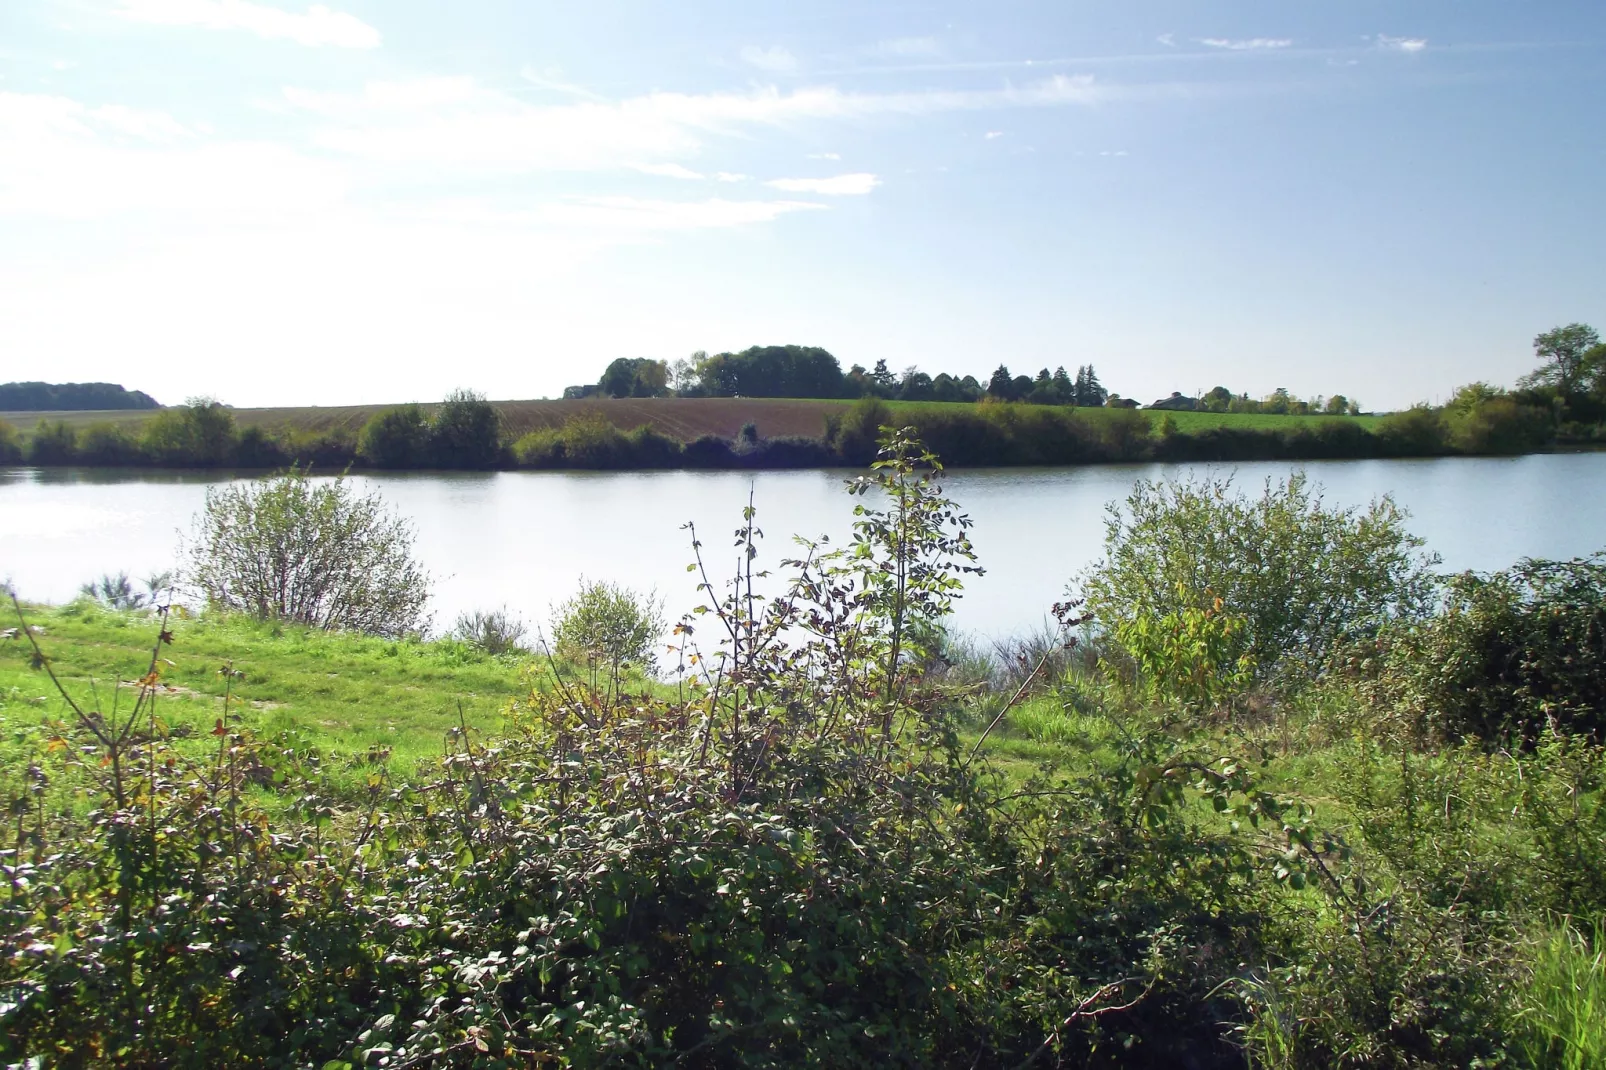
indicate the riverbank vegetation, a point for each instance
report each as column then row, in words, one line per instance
column 629, row 422
column 1273, row 795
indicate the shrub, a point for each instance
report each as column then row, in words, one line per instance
column 852, row 434
column 11, row 451
column 1125, row 434
column 52, row 443
column 332, row 449
column 315, row 553
column 108, row 444
column 1419, row 431
column 1514, row 653
column 467, row 432
column 258, row 449
column 495, row 632
column 1297, row 577
column 1500, row 425
column 609, row 629
column 396, row 438
column 199, row 433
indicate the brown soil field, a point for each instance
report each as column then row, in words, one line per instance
column 681, row 418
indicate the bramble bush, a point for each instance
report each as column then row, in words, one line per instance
column 1514, row 654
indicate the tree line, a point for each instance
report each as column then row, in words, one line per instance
column 71, row 397
column 793, row 371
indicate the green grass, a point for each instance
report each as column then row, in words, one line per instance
column 345, row 695
column 1566, row 1011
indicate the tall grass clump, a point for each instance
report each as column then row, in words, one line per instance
column 1564, row 1020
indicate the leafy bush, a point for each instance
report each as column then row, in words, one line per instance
column 1419, row 431
column 497, row 631
column 852, row 434
column 316, row 553
column 11, row 451
column 1514, row 654
column 1498, row 425
column 108, row 444
column 467, row 432
column 52, row 443
column 200, row 433
column 1295, row 577
column 396, row 438
column 609, row 629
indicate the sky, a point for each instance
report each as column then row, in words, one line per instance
column 376, row 201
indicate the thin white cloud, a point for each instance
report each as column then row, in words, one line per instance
column 553, row 79
column 1251, row 44
column 669, row 170
column 1168, row 39
column 317, row 26
column 853, row 185
column 458, row 125
column 774, row 59
column 1401, row 44
column 909, row 48
column 67, row 160
column 730, row 176
column 621, row 213
column 825, row 156
column 992, row 134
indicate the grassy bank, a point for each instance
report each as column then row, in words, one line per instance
column 345, row 696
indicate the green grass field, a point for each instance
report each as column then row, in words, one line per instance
column 680, row 418
column 345, row 695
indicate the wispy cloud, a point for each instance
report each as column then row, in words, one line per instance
column 621, row 213
column 1168, row 39
column 456, row 124
column 991, row 134
column 729, row 176
column 825, row 155
column 669, row 170
column 1250, row 44
column 317, row 26
column 552, row 79
column 1401, row 44
column 908, row 48
column 774, row 59
column 66, row 159
column 853, row 185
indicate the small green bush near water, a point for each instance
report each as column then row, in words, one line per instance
column 1270, row 586
column 1514, row 654
column 318, row 554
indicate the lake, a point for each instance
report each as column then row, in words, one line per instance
column 524, row 539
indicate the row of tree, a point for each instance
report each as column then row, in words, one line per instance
column 71, row 397
column 811, row 372
column 793, row 371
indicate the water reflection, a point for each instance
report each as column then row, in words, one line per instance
column 524, row 538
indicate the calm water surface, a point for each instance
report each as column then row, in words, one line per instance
column 523, row 539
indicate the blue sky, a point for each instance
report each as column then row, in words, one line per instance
column 380, row 201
